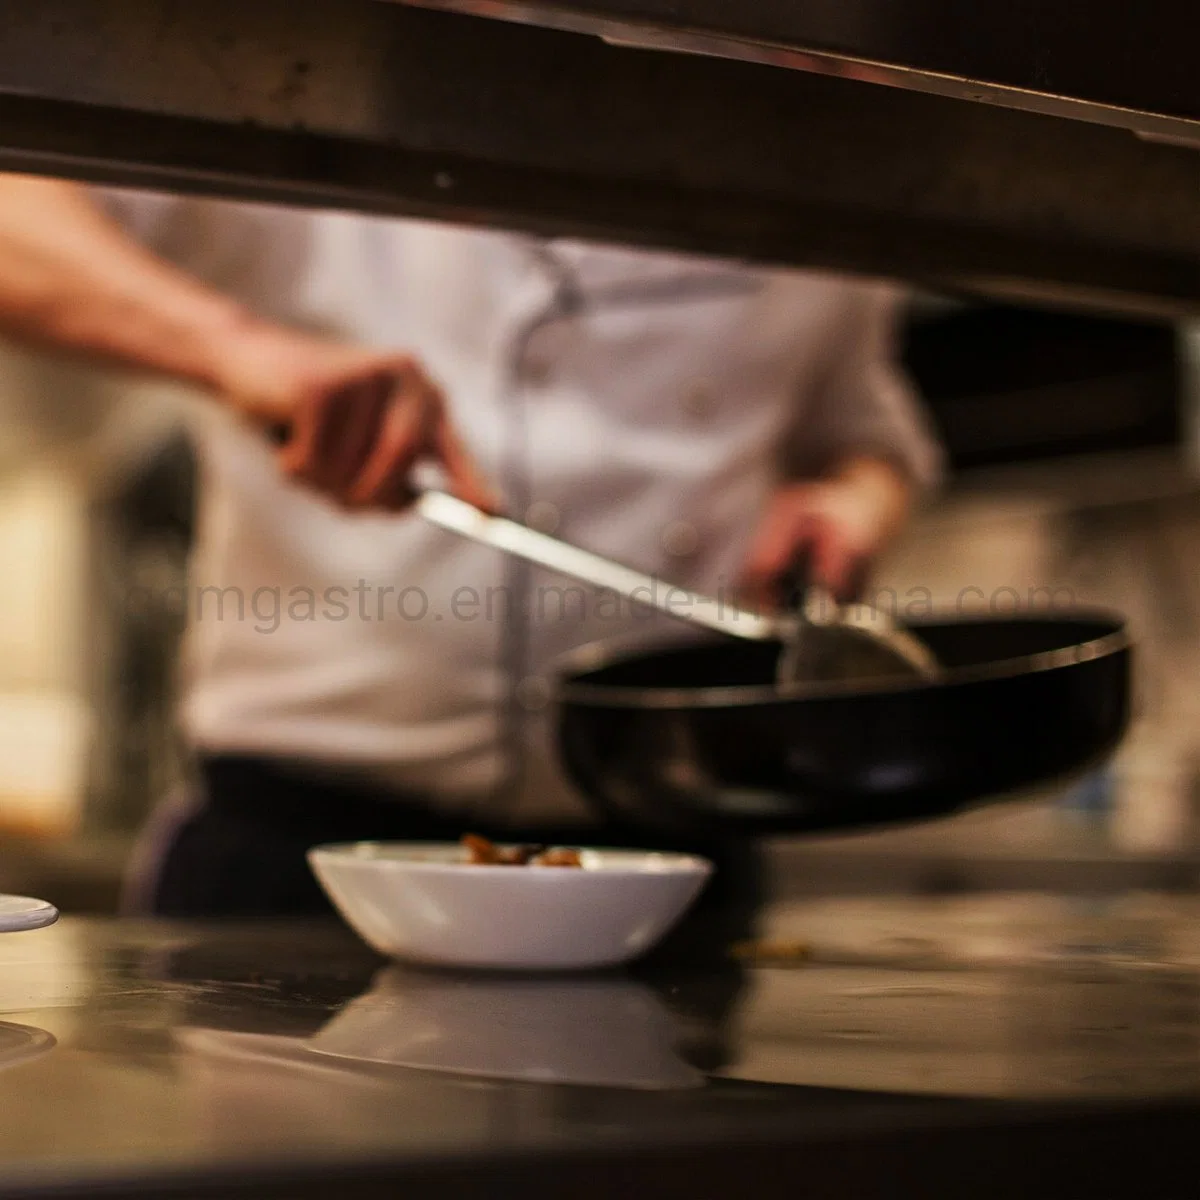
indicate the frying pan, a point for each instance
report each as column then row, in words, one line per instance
column 697, row 737
column 703, row 738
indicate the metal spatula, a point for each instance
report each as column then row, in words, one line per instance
column 816, row 648
column 822, row 641
column 834, row 643
column 449, row 512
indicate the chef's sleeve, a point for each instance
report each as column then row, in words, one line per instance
column 863, row 402
column 145, row 216
column 260, row 254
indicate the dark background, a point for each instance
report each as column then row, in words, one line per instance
column 1011, row 384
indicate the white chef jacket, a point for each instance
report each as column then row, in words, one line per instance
column 637, row 404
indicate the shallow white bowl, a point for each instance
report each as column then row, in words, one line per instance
column 425, row 903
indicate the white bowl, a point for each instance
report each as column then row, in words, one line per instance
column 425, row 903
column 596, row 1031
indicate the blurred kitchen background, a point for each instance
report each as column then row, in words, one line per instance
column 1075, row 471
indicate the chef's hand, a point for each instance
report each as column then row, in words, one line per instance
column 357, row 420
column 842, row 520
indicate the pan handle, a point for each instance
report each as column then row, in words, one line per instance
column 799, row 594
column 796, row 586
column 796, row 582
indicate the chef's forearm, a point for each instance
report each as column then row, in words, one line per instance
column 72, row 279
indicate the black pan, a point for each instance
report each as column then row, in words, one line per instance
column 698, row 737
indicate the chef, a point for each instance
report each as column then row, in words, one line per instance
column 352, row 672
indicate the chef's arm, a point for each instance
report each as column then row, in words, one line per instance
column 860, row 456
column 865, row 408
column 72, row 279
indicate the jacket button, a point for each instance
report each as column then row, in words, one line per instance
column 543, row 516
column 681, row 539
column 536, row 369
column 700, row 402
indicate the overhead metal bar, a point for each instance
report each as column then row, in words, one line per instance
column 389, row 108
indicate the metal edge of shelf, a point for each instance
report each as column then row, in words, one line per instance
column 361, row 104
column 1039, row 59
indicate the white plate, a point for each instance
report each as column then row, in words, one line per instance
column 22, row 912
column 426, row 904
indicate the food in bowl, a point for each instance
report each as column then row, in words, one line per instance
column 483, row 853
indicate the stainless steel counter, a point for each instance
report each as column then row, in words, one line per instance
column 1028, row 1045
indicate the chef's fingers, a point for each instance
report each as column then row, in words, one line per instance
column 836, row 566
column 300, row 456
column 353, row 425
column 774, row 548
column 416, row 426
column 333, row 433
column 466, row 479
column 385, row 480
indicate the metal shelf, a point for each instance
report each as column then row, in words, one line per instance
column 390, row 108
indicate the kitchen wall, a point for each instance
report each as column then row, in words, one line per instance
column 69, row 436
column 44, row 714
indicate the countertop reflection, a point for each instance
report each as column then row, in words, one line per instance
column 278, row 1053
